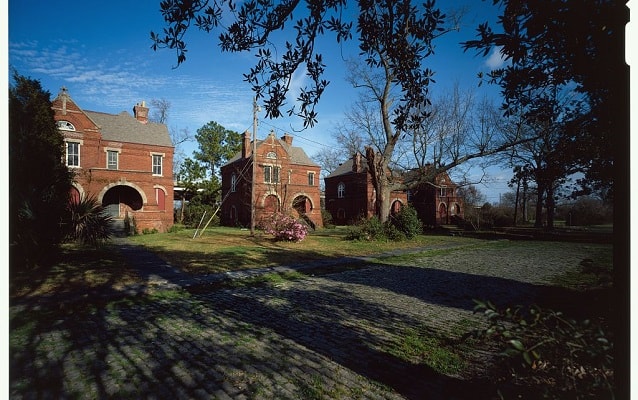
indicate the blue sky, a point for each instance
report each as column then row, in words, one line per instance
column 101, row 52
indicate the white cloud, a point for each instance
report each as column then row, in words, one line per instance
column 297, row 81
column 496, row 58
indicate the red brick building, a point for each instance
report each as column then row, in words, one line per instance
column 286, row 181
column 123, row 160
column 350, row 195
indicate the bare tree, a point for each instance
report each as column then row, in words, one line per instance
column 348, row 141
column 474, row 201
column 160, row 111
column 455, row 130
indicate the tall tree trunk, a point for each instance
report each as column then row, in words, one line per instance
column 551, row 207
column 518, row 190
column 538, row 223
column 183, row 206
column 377, row 170
column 524, row 202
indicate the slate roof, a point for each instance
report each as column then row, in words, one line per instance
column 346, row 168
column 123, row 127
column 297, row 154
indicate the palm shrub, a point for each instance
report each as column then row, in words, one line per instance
column 88, row 222
column 284, row 227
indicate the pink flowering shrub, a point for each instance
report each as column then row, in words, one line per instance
column 284, row 227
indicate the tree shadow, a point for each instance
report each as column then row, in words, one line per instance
column 254, row 342
column 332, row 322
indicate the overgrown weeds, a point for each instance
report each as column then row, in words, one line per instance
column 545, row 352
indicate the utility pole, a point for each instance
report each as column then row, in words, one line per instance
column 254, row 168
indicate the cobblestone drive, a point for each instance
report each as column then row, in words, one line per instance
column 319, row 337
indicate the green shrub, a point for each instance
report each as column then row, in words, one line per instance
column 366, row 229
column 547, row 353
column 587, row 211
column 147, row 231
column 194, row 212
column 391, row 232
column 407, row 222
column 326, row 217
column 176, row 228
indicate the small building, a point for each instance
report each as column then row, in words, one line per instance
column 286, row 181
column 350, row 195
column 123, row 160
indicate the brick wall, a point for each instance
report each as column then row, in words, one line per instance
column 133, row 179
column 292, row 185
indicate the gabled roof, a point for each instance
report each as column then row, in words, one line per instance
column 346, row 168
column 408, row 176
column 297, row 155
column 123, row 127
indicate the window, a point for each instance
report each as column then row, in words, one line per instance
column 73, row 154
column 111, row 159
column 311, row 178
column 65, row 126
column 443, row 191
column 271, row 174
column 233, row 183
column 157, row 164
column 341, row 190
column 271, row 155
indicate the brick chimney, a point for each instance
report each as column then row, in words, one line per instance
column 356, row 162
column 140, row 111
column 246, row 150
column 287, row 138
column 64, row 96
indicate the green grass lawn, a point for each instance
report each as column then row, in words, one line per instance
column 222, row 249
column 76, row 268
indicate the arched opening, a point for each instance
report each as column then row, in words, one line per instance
column 271, row 204
column 341, row 216
column 455, row 209
column 74, row 195
column 442, row 213
column 233, row 215
column 302, row 204
column 119, row 199
column 396, row 207
column 160, row 196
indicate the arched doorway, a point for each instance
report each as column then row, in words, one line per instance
column 233, row 215
column 120, row 199
column 271, row 204
column 442, row 213
column 302, row 204
column 396, row 207
column 74, row 195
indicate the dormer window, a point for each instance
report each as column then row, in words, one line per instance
column 65, row 126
